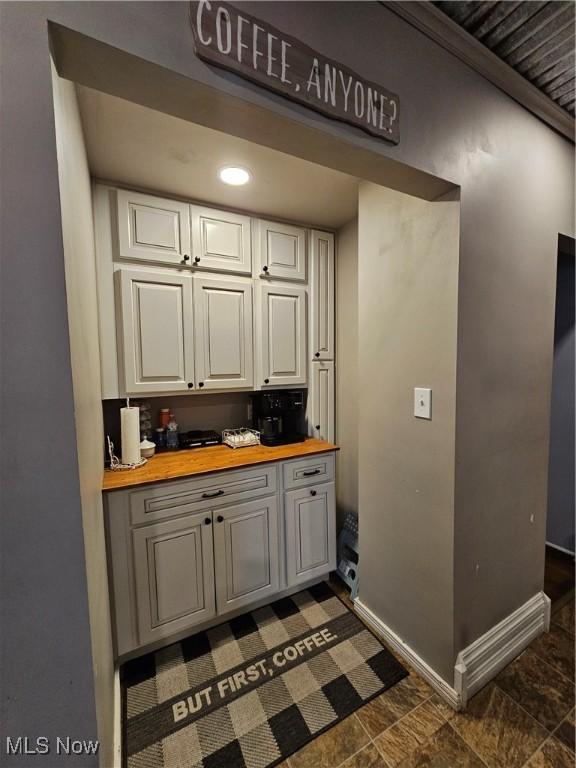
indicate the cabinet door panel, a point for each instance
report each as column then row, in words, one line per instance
column 281, row 330
column 322, row 295
column 321, row 401
column 221, row 240
column 223, row 323
column 152, row 228
column 310, row 532
column 174, row 576
column 157, row 331
column 247, row 553
column 282, row 250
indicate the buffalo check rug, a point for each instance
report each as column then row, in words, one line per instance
column 255, row 689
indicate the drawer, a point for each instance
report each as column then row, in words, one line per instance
column 313, row 469
column 202, row 493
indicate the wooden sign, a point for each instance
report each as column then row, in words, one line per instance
column 253, row 49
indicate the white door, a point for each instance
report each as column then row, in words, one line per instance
column 223, row 328
column 321, row 400
column 221, row 240
column 310, row 532
column 246, row 551
column 281, row 335
column 281, row 251
column 157, row 331
column 153, row 228
column 321, row 295
column 174, row 575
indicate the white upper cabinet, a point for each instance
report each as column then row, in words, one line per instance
column 156, row 327
column 321, row 295
column 221, row 240
column 320, row 410
column 281, row 335
column 223, row 329
column 281, row 251
column 153, row 229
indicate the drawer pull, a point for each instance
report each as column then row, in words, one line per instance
column 310, row 472
column 213, row 495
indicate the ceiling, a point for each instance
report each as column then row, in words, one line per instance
column 139, row 147
column 535, row 38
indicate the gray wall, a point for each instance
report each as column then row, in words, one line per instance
column 516, row 177
column 560, row 526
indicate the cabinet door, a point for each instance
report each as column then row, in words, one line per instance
column 321, row 295
column 247, row 553
column 281, row 335
column 174, row 575
column 156, row 325
column 310, row 532
column 221, row 240
column 223, row 331
column 321, row 401
column 282, row 251
column 153, row 228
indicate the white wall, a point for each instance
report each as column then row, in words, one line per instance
column 408, row 308
column 78, row 237
column 347, row 369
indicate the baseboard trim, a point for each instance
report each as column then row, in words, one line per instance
column 560, row 549
column 477, row 664
column 117, row 736
column 441, row 687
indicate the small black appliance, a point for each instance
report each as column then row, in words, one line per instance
column 199, row 438
column 279, row 416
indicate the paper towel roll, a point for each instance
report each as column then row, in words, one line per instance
column 130, row 429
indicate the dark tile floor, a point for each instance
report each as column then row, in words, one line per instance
column 525, row 717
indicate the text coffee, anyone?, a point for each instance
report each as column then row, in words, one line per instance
column 230, row 38
column 229, row 685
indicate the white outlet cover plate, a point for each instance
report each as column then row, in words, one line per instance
column 422, row 403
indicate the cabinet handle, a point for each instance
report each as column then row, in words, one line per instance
column 185, row 257
column 316, row 354
column 197, row 259
column 311, row 472
column 317, row 426
column 200, row 383
column 220, row 519
column 312, row 493
column 220, row 492
column 207, row 521
column 266, row 381
column 190, row 385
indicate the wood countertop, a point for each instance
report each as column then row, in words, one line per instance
column 200, row 461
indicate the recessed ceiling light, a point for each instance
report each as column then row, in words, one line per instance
column 234, row 175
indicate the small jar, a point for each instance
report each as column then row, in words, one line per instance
column 160, row 438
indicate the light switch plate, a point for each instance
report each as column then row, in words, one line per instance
column 422, row 403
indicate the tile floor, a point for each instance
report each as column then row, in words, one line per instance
column 525, row 717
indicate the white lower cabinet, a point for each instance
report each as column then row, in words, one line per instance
column 310, row 532
column 247, row 553
column 174, row 575
column 183, row 554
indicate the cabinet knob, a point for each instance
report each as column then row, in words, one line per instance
column 185, row 257
column 316, row 354
column 312, row 493
column 220, row 519
column 266, row 381
column 200, row 383
column 197, row 259
column 207, row 521
column 264, row 268
column 190, row 385
column 317, row 426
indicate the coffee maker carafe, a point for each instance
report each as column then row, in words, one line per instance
column 279, row 416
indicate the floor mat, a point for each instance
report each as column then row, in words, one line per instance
column 255, row 689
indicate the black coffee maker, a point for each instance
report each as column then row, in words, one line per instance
column 279, row 416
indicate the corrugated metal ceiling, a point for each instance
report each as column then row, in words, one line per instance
column 535, row 38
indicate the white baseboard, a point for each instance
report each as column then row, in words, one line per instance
column 441, row 687
column 560, row 549
column 477, row 664
column 117, row 744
